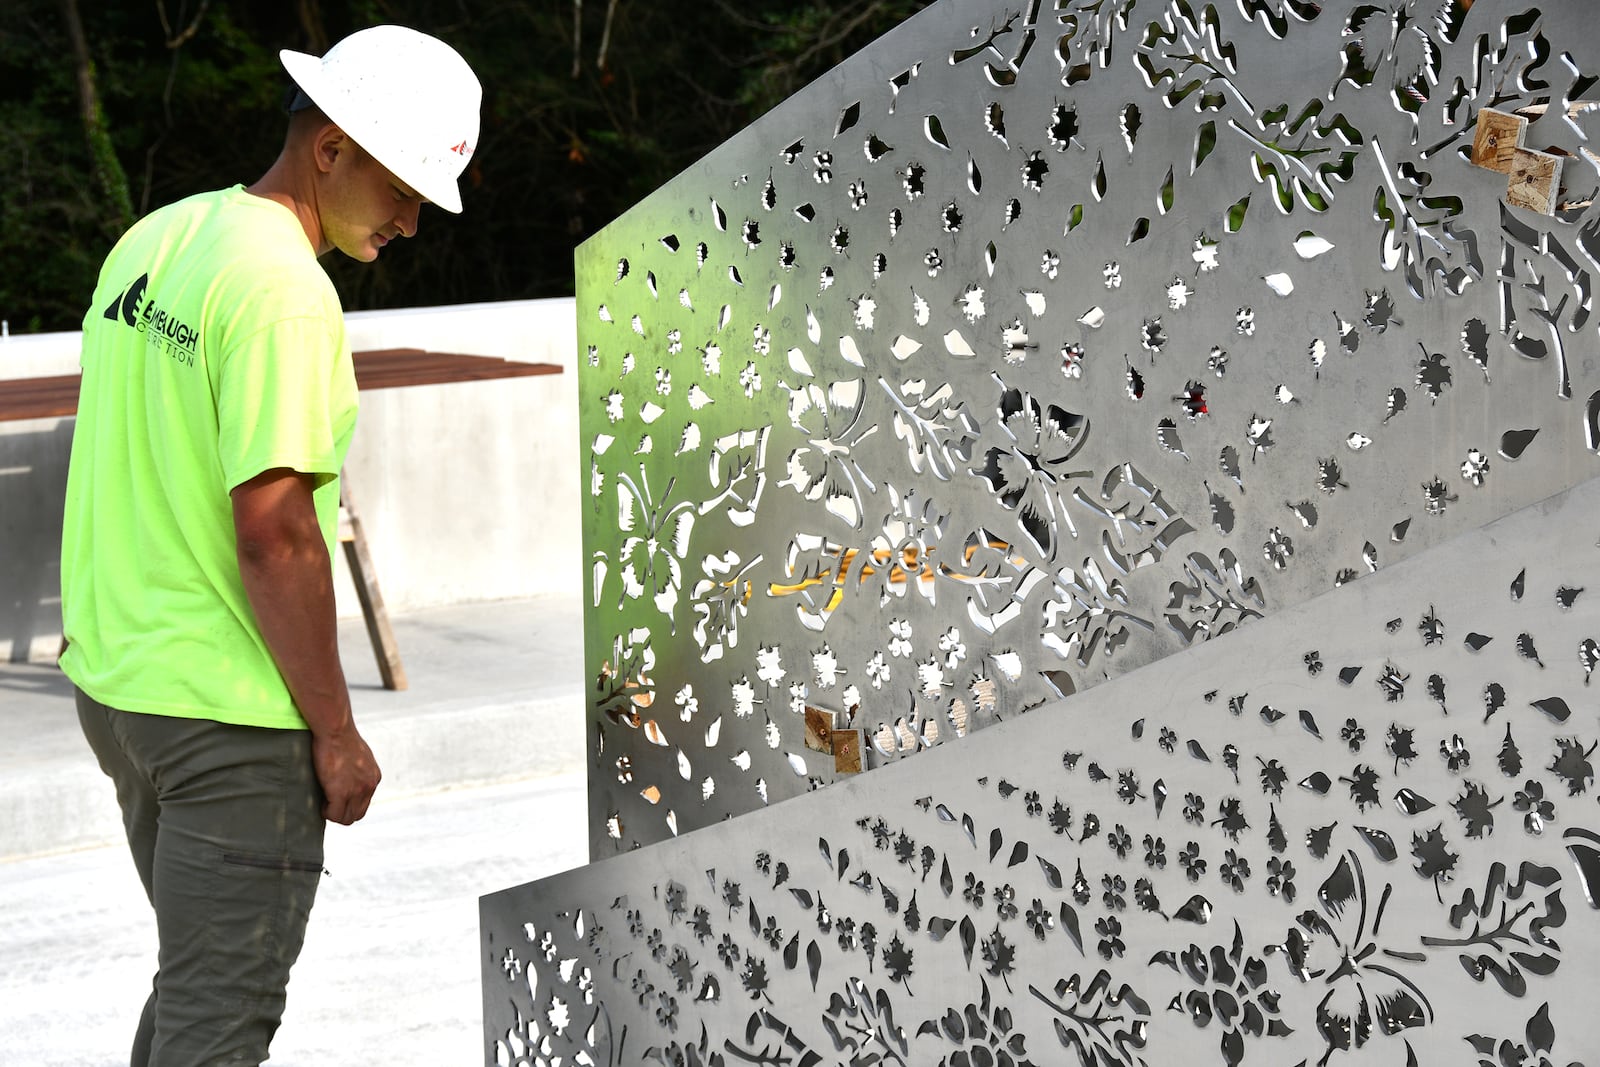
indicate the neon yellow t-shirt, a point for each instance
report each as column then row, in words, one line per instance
column 214, row 350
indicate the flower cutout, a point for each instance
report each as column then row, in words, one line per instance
column 1110, row 945
column 1005, row 902
column 1280, row 878
column 1336, row 947
column 1353, row 735
column 1113, row 892
column 1039, row 919
column 954, row 649
column 1234, row 870
column 899, row 637
column 1538, row 811
column 877, row 670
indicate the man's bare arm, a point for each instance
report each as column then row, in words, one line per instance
column 288, row 577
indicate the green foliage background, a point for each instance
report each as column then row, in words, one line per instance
column 190, row 97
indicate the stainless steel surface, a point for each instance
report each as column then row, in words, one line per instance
column 1361, row 832
column 1034, row 346
column 1037, row 343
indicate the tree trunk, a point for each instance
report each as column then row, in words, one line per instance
column 316, row 34
column 109, row 175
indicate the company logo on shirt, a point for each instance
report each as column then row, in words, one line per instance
column 162, row 329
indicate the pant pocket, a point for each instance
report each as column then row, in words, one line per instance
column 287, row 864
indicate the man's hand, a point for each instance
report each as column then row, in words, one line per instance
column 348, row 772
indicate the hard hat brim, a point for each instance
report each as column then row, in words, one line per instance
column 306, row 70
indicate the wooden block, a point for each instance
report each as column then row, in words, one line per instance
column 1535, row 181
column 1498, row 137
column 819, row 729
column 848, row 746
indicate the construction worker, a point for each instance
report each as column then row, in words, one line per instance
column 217, row 403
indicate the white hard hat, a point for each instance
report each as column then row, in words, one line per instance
column 409, row 99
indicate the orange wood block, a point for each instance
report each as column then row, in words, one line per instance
column 1498, row 137
column 819, row 729
column 1535, row 181
column 847, row 751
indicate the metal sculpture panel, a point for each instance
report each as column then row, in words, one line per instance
column 1042, row 341
column 998, row 372
column 1363, row 832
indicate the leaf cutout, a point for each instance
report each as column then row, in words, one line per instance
column 1519, row 584
column 1476, row 641
column 972, row 834
column 1198, row 751
column 1526, row 649
column 1197, row 909
column 813, row 963
column 1381, row 843
column 938, row 927
column 1513, row 443
column 1276, row 839
column 1069, row 923
column 1541, row 1032
column 1167, row 437
column 1318, row 782
column 944, row 813
column 1554, row 707
column 1411, row 802
column 1475, row 345
column 848, row 117
column 1318, row 839
column 996, row 839
column 1019, row 853
column 1339, row 888
column 803, row 896
column 1052, row 873
column 1228, row 461
column 827, row 852
column 1510, row 758
column 1396, row 403
column 1308, row 721
column 969, row 939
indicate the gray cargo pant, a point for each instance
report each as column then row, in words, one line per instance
column 225, row 825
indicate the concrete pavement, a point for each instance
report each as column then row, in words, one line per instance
column 483, row 789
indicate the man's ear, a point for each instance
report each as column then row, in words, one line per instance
column 327, row 145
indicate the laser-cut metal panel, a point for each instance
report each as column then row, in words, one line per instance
column 1368, row 827
column 1042, row 341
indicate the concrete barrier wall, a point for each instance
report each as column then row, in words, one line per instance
column 468, row 491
